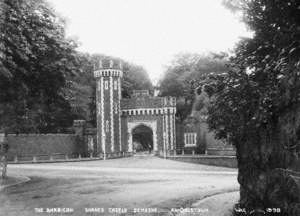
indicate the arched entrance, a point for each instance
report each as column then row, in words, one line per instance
column 133, row 127
column 142, row 139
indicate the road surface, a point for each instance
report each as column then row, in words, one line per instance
column 144, row 184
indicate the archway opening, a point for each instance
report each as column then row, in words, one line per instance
column 142, row 138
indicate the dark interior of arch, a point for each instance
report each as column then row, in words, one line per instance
column 142, row 138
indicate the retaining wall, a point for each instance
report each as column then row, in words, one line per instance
column 221, row 151
column 224, row 161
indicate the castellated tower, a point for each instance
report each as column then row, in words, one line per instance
column 108, row 76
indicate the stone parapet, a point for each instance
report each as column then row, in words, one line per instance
column 149, row 111
column 148, row 102
column 108, row 73
column 40, row 135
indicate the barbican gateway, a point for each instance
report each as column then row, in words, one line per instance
column 117, row 118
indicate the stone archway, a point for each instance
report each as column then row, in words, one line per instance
column 134, row 124
column 142, row 139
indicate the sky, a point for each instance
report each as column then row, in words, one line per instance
column 150, row 32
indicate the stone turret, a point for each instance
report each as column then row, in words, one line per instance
column 108, row 74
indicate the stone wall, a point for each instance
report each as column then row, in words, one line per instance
column 208, row 137
column 205, row 141
column 179, row 135
column 148, row 102
column 44, row 144
column 213, row 146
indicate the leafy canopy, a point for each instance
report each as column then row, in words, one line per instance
column 263, row 81
column 183, row 74
column 35, row 60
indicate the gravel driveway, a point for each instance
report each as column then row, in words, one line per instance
column 117, row 187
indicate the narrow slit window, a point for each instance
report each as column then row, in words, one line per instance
column 106, row 85
column 107, row 126
column 115, row 85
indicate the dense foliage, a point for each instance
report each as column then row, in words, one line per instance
column 35, row 60
column 256, row 105
column 263, row 81
column 182, row 75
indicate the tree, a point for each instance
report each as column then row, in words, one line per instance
column 183, row 75
column 81, row 89
column 35, row 59
column 256, row 105
column 135, row 78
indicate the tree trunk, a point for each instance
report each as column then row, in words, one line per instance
column 269, row 166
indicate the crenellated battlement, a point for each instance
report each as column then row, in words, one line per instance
column 108, row 73
column 147, row 101
column 107, row 68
